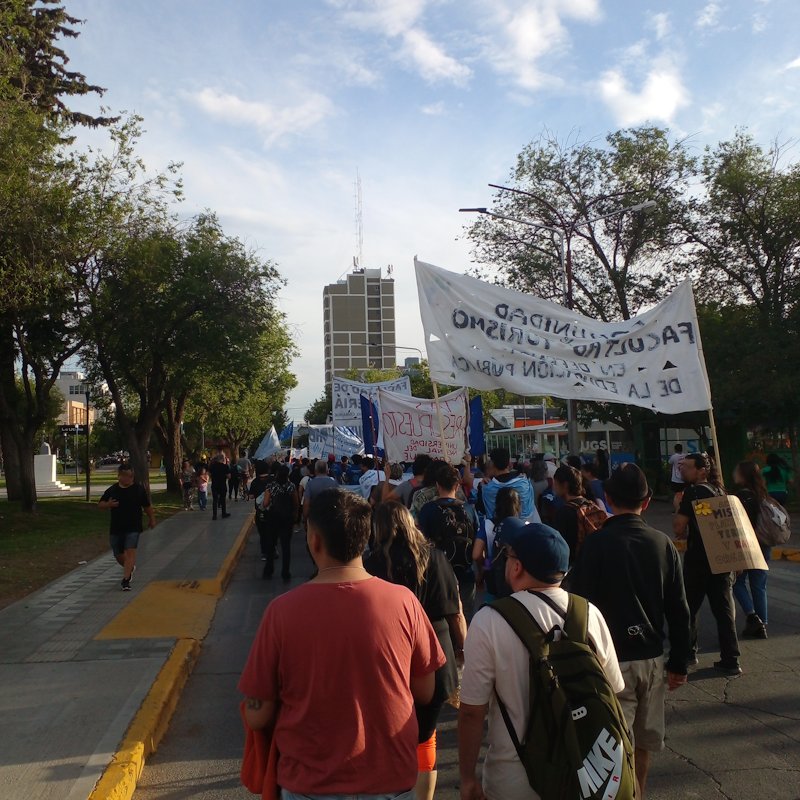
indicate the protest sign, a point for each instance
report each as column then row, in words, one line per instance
column 346, row 397
column 410, row 425
column 336, row 439
column 728, row 537
column 488, row 337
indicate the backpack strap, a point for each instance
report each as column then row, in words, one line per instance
column 532, row 637
column 576, row 623
column 550, row 602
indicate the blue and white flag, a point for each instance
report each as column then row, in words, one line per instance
column 270, row 445
column 286, row 434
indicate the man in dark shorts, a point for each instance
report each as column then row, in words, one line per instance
column 127, row 500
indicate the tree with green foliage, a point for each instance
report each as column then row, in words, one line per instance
column 744, row 244
column 319, row 412
column 35, row 65
column 615, row 264
column 201, row 300
column 41, row 224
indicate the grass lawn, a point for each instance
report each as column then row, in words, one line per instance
column 38, row 548
column 104, row 476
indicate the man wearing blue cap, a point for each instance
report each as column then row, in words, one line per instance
column 497, row 663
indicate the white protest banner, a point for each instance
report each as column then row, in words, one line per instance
column 339, row 440
column 487, row 337
column 728, row 537
column 346, row 397
column 410, row 425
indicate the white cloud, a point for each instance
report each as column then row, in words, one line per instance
column 433, row 109
column 793, row 64
column 403, row 19
column 520, row 33
column 273, row 123
column 432, row 62
column 661, row 95
column 709, row 15
column 660, row 24
column 759, row 23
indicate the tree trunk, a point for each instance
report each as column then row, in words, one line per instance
column 26, row 472
column 11, row 463
column 8, row 401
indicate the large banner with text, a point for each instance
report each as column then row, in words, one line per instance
column 346, row 397
column 488, row 337
column 339, row 440
column 410, row 425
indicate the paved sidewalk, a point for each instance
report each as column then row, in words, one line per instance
column 79, row 659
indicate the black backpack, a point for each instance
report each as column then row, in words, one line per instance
column 452, row 532
column 495, row 577
column 282, row 506
column 576, row 743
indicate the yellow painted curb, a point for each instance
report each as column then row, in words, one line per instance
column 198, row 598
column 149, row 725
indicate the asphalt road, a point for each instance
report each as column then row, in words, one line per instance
column 727, row 738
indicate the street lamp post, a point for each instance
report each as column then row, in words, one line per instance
column 565, row 260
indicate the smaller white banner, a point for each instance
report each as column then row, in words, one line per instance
column 346, row 397
column 339, row 440
column 410, row 425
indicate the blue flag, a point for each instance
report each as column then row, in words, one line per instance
column 286, row 434
column 477, row 440
column 370, row 425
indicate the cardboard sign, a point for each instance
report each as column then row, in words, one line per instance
column 730, row 541
column 410, row 425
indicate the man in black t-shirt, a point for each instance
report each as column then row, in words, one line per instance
column 219, row 471
column 126, row 500
column 700, row 475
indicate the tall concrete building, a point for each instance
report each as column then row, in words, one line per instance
column 358, row 315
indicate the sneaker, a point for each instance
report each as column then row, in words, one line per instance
column 126, row 584
column 693, row 661
column 731, row 668
column 755, row 628
column 263, row 558
column 225, row 516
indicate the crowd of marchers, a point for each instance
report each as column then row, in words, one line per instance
column 588, row 616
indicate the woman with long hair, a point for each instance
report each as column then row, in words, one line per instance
column 485, row 548
column 402, row 555
column 577, row 516
column 752, row 491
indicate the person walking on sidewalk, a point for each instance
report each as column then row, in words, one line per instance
column 752, row 491
column 280, row 506
column 188, row 482
column 632, row 573
column 219, row 471
column 702, row 481
column 126, row 499
column 337, row 665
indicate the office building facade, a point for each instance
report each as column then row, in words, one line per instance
column 359, row 323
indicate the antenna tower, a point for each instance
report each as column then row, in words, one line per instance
column 359, row 218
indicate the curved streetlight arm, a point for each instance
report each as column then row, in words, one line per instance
column 562, row 247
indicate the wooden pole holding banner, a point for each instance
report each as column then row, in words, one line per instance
column 439, row 417
column 712, row 421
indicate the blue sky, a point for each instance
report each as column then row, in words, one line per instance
column 273, row 106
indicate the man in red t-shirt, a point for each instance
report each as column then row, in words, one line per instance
column 337, row 666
